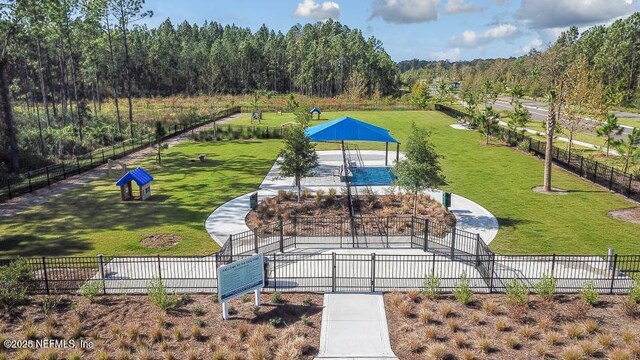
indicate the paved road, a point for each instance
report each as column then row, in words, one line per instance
column 538, row 113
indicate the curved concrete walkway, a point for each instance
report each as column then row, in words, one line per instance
column 230, row 217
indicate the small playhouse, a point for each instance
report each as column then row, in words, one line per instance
column 315, row 110
column 142, row 178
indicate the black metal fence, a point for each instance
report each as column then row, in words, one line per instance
column 36, row 179
column 316, row 254
column 599, row 173
column 326, row 271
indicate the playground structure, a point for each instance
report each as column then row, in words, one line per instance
column 142, row 178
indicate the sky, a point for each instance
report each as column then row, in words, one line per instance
column 421, row 29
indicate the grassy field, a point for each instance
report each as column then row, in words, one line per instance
column 500, row 179
column 91, row 219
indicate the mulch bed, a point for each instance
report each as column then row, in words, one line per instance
column 562, row 329
column 127, row 327
column 159, row 241
column 631, row 215
column 323, row 206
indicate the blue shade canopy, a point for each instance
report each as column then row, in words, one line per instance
column 349, row 129
column 138, row 175
column 315, row 110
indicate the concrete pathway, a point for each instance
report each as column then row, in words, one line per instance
column 25, row 202
column 354, row 326
column 229, row 218
column 564, row 139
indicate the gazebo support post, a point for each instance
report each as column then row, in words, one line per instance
column 397, row 152
column 386, row 154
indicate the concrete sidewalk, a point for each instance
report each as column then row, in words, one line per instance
column 354, row 326
column 229, row 218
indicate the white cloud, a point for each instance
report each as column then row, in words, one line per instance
column 546, row 14
column 470, row 38
column 459, row 6
column 535, row 43
column 406, row 11
column 317, row 11
column 452, row 54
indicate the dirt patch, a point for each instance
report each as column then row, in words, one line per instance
column 127, row 327
column 333, row 205
column 631, row 215
column 554, row 191
column 492, row 328
column 159, row 241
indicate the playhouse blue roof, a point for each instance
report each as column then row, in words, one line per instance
column 346, row 128
column 315, row 110
column 138, row 175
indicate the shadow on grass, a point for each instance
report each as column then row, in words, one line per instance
column 30, row 245
column 507, row 222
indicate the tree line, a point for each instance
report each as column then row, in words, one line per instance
column 612, row 52
column 61, row 59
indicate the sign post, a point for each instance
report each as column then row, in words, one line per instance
column 238, row 278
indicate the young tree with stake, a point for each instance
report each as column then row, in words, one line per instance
column 420, row 170
column 298, row 157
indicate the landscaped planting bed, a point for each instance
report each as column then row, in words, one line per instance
column 132, row 327
column 321, row 204
column 493, row 327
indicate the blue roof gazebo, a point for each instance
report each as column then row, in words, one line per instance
column 349, row 129
column 315, row 110
column 142, row 178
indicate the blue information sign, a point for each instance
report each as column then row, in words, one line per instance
column 240, row 277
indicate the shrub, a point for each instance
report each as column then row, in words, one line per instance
column 431, row 286
column 307, row 302
column 589, row 293
column 634, row 292
column 91, row 289
column 158, row 294
column 49, row 304
column 463, row 292
column 517, row 292
column 198, row 310
column 276, row 297
column 546, row 287
column 275, row 321
column 214, row 298
column 15, row 281
column 305, row 319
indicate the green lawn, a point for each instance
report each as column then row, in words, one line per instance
column 500, row 179
column 634, row 122
column 91, row 219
